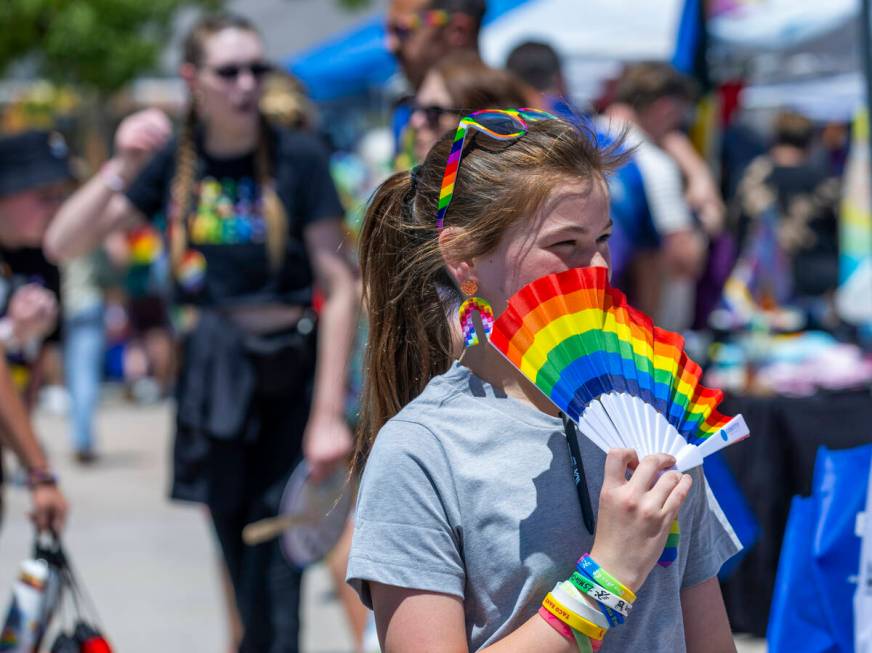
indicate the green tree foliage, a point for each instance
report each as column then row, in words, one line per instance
column 97, row 44
column 354, row 5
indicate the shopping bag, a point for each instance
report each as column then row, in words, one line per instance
column 81, row 632
column 863, row 596
column 820, row 558
column 35, row 596
column 839, row 482
column 795, row 622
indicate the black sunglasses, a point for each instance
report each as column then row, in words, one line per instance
column 233, row 71
column 432, row 113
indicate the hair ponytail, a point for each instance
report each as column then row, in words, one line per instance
column 409, row 339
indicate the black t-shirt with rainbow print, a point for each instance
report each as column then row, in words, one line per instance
column 227, row 262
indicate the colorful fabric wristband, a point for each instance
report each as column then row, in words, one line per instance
column 556, row 624
column 39, row 477
column 586, row 585
column 573, row 599
column 574, row 621
column 588, row 566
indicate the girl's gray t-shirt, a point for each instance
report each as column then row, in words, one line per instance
column 468, row 492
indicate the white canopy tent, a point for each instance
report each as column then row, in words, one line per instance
column 802, row 54
column 594, row 37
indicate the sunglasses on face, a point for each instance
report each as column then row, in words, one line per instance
column 500, row 124
column 432, row 113
column 402, row 28
column 230, row 72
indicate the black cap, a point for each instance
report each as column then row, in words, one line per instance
column 31, row 159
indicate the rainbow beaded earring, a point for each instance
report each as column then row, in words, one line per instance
column 470, row 305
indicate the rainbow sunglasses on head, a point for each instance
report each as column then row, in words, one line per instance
column 501, row 124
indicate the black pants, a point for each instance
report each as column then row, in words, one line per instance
column 247, row 484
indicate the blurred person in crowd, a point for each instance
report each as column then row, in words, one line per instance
column 35, row 178
column 253, row 226
column 83, row 282
column 648, row 202
column 40, row 376
column 457, row 85
column 148, row 368
column 421, row 32
column 835, row 141
column 539, row 66
column 805, row 196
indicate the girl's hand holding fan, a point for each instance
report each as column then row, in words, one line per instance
column 635, row 514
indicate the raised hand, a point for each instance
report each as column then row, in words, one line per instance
column 140, row 135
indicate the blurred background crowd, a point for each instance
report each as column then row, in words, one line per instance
column 743, row 217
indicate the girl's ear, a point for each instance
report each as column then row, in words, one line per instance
column 459, row 269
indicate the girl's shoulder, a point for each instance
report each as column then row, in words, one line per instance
column 444, row 390
column 431, row 416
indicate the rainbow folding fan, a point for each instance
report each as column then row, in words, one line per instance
column 624, row 381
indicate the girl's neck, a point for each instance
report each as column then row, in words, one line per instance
column 225, row 143
column 486, row 363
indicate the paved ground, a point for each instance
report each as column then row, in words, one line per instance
column 149, row 564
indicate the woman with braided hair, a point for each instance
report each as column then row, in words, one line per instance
column 252, row 223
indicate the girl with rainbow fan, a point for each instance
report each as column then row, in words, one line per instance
column 484, row 522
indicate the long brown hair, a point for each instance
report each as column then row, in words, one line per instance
column 183, row 181
column 408, row 292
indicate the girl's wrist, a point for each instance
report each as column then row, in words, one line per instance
column 41, row 477
column 612, row 564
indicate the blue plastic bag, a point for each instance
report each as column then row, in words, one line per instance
column 812, row 609
column 795, row 622
column 839, row 483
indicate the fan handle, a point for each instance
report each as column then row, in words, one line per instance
column 691, row 456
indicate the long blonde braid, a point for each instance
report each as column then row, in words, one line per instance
column 181, row 189
column 273, row 210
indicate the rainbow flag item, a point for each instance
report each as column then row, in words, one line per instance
column 191, row 274
column 145, row 246
column 624, row 381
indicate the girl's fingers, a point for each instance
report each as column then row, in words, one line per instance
column 676, row 497
column 617, row 462
column 663, row 488
column 649, row 469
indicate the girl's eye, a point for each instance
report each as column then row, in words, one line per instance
column 564, row 243
column 604, row 238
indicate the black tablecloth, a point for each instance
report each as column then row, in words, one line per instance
column 774, row 464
